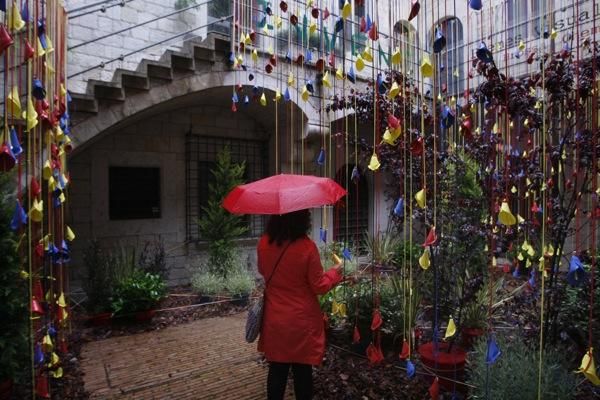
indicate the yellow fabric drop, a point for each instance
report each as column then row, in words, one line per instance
column 450, row 329
column 513, row 189
column 15, row 22
column 305, row 94
column 263, row 99
column 312, row 28
column 47, row 170
column 54, row 359
column 39, row 50
column 588, row 367
column 360, row 63
column 14, row 102
column 521, row 45
column 51, row 184
column 277, row 95
column 421, row 198
column 49, row 45
column 520, row 256
column 426, row 67
column 57, row 373
column 394, row 90
column 37, row 210
column 367, row 54
column 391, row 135
column 336, row 259
column 326, row 80
column 291, row 80
column 346, row 10
column 61, row 301
column 374, row 163
column 396, row 57
column 69, row 234
column 424, row 261
column 47, row 344
column 339, row 73
column 338, row 309
column 31, row 115
column 505, row 216
column 255, row 55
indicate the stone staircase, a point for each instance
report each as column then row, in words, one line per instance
column 196, row 56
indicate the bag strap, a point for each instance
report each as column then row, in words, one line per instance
column 277, row 264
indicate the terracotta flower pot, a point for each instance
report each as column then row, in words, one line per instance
column 144, row 316
column 470, row 335
column 445, row 364
column 102, row 319
column 6, row 389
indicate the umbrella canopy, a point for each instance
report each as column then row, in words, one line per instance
column 281, row 194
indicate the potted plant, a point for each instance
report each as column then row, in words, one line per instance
column 207, row 285
column 138, row 294
column 240, row 284
column 14, row 313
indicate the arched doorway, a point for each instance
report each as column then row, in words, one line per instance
column 351, row 215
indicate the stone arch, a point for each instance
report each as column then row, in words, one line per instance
column 181, row 91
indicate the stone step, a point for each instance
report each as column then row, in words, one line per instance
column 204, row 54
column 83, row 103
column 179, row 60
column 106, row 90
column 156, row 69
column 131, row 79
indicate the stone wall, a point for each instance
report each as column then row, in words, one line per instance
column 155, row 142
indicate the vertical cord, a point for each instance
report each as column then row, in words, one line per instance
column 544, row 212
column 29, row 169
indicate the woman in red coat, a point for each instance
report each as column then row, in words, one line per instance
column 292, row 333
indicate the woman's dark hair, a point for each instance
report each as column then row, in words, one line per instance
column 290, row 226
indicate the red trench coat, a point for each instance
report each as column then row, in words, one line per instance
column 292, row 329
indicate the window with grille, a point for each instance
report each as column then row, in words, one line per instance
column 201, row 156
column 133, row 193
column 517, row 14
column 406, row 39
column 450, row 62
column 351, row 214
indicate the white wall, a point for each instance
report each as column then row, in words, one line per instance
column 92, row 26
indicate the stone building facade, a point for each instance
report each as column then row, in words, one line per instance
column 149, row 108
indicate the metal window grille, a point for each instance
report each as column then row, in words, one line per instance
column 201, row 156
column 351, row 216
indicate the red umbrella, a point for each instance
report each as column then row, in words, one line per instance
column 281, row 194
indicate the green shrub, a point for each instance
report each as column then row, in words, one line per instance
column 207, row 284
column 217, row 226
column 14, row 349
column 240, row 283
column 139, row 292
column 515, row 373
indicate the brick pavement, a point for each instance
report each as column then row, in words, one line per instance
column 204, row 359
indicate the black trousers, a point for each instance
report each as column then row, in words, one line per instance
column 278, row 376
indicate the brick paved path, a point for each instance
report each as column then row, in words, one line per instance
column 205, row 359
